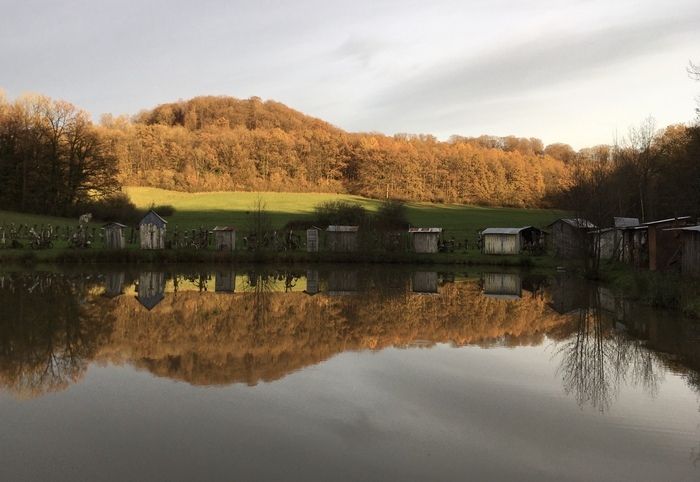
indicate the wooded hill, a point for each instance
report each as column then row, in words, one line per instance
column 223, row 143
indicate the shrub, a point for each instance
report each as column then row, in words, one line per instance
column 340, row 213
column 391, row 215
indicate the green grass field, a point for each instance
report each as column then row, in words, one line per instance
column 233, row 208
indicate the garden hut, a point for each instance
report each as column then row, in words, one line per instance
column 610, row 240
column 690, row 257
column 425, row 240
column 151, row 289
column 342, row 238
column 224, row 238
column 664, row 241
column 511, row 240
column 225, row 282
column 152, row 231
column 312, row 240
column 569, row 236
column 504, row 286
column 425, row 282
column 114, row 235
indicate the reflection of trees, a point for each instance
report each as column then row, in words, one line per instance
column 48, row 333
column 597, row 359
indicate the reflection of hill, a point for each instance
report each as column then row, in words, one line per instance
column 212, row 339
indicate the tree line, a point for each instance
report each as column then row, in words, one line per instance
column 54, row 158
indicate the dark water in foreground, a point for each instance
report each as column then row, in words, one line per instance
column 340, row 374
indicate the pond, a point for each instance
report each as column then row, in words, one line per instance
column 340, row 373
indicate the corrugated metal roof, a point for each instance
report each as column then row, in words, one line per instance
column 625, row 222
column 153, row 217
column 113, row 223
column 224, row 228
column 342, row 229
column 691, row 228
column 680, row 218
column 504, row 230
column 424, row 230
column 578, row 223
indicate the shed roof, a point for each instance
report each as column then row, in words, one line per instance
column 691, row 228
column 114, row 224
column 342, row 229
column 425, row 230
column 505, row 230
column 576, row 222
column 224, row 228
column 153, row 217
column 625, row 222
column 660, row 221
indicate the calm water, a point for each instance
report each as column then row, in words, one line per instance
column 340, row 374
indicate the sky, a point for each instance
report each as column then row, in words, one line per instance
column 575, row 71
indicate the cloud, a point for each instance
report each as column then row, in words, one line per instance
column 525, row 68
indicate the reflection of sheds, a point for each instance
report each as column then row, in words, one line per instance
column 511, row 240
column 569, row 236
column 312, row 282
column 152, row 231
column 151, row 290
column 224, row 238
column 425, row 240
column 425, row 282
column 506, row 286
column 342, row 238
column 342, row 282
column 114, row 284
column 225, row 282
column 114, row 236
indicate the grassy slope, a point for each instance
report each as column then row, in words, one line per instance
column 232, row 208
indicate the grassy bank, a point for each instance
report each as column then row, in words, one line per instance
column 233, row 208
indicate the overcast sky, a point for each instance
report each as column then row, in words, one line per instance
column 574, row 71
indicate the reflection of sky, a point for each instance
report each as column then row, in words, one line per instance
column 540, row 68
column 418, row 414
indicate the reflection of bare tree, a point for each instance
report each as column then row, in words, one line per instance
column 47, row 333
column 597, row 359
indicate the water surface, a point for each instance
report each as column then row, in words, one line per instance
column 338, row 373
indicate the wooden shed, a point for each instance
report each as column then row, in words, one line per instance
column 152, row 230
column 342, row 282
column 425, row 240
column 312, row 240
column 664, row 242
column 425, row 282
column 505, row 286
column 114, row 235
column 342, row 238
column 151, row 289
column 569, row 237
column 610, row 240
column 690, row 257
column 224, row 238
column 510, row 240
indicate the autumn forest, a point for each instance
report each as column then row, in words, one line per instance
column 52, row 157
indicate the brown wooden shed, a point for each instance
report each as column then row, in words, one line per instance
column 224, row 238
column 114, row 235
column 152, row 231
column 342, row 238
column 425, row 240
column 569, row 237
column 690, row 256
